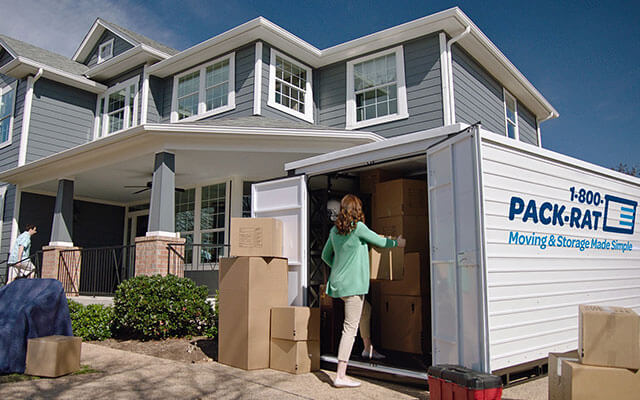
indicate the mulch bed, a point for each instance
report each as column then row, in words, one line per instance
column 194, row 350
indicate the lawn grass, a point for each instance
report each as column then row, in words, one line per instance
column 12, row 378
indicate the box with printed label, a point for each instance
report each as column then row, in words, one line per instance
column 53, row 356
column 609, row 336
column 255, row 237
column 295, row 323
column 400, row 197
column 296, row 357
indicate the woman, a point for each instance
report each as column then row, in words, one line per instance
column 347, row 253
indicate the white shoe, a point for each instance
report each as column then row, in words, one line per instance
column 372, row 354
column 345, row 383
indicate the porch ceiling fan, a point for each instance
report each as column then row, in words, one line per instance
column 148, row 187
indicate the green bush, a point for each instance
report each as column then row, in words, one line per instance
column 158, row 307
column 91, row 322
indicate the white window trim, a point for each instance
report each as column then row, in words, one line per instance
column 403, row 109
column 231, row 96
column 308, row 99
column 506, row 94
column 103, row 45
column 6, row 89
column 103, row 97
column 3, row 193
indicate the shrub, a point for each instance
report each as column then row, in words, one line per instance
column 157, row 307
column 91, row 322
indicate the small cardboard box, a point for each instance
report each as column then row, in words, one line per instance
column 249, row 287
column 555, row 373
column 401, row 323
column 400, row 197
column 53, row 356
column 369, row 179
column 414, row 280
column 295, row 323
column 587, row 382
column 386, row 264
column 296, row 357
column 256, row 237
column 413, row 228
column 609, row 336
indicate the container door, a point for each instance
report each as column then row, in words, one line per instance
column 286, row 200
column 457, row 279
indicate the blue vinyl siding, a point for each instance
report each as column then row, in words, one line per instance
column 119, row 46
column 62, row 117
column 7, row 223
column 156, row 99
column 5, row 57
column 477, row 95
column 9, row 154
column 424, row 91
column 527, row 126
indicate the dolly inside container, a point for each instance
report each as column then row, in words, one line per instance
column 459, row 383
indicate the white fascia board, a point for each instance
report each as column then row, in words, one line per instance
column 489, row 136
column 21, row 67
column 131, row 58
column 90, row 40
column 399, row 146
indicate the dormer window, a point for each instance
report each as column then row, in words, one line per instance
column 117, row 109
column 290, row 86
column 105, row 51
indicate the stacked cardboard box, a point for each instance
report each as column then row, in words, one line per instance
column 251, row 283
column 295, row 339
column 608, row 360
column 400, row 208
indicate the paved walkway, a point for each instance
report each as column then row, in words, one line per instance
column 127, row 375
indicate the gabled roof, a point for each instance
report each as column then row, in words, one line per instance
column 98, row 28
column 19, row 48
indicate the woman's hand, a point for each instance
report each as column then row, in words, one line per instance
column 401, row 241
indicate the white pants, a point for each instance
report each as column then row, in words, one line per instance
column 357, row 312
column 20, row 270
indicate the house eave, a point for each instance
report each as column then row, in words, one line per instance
column 138, row 55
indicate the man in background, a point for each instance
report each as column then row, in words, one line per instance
column 20, row 266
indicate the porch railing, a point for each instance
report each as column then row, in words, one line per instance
column 195, row 256
column 96, row 271
column 36, row 260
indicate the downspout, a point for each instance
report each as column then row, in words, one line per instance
column 26, row 117
column 452, row 108
column 551, row 114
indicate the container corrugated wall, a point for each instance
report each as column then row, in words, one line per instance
column 534, row 287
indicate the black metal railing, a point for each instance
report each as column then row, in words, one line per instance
column 96, row 271
column 22, row 269
column 194, row 256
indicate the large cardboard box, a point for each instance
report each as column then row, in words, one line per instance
column 413, row 228
column 256, row 237
column 295, row 323
column 369, row 179
column 588, row 382
column 555, row 373
column 400, row 197
column 401, row 323
column 296, row 357
column 53, row 356
column 609, row 336
column 415, row 277
column 249, row 287
column 387, row 264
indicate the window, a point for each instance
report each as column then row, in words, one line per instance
column 511, row 115
column 7, row 102
column 205, row 90
column 212, row 221
column 117, row 109
column 290, row 87
column 185, row 204
column 105, row 51
column 376, row 91
column 246, row 199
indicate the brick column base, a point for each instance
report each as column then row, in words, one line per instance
column 67, row 272
column 153, row 256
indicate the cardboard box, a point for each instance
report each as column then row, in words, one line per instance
column 609, row 336
column 369, row 179
column 413, row 228
column 295, row 323
column 415, row 277
column 53, row 356
column 400, row 197
column 587, row 382
column 296, row 357
column 401, row 323
column 555, row 373
column 249, row 287
column 387, row 264
column 256, row 237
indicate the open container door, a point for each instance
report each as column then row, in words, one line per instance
column 455, row 232
column 286, row 200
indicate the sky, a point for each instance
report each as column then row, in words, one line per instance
column 583, row 56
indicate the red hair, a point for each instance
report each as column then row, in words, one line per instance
column 350, row 214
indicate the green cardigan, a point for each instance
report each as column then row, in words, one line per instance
column 348, row 257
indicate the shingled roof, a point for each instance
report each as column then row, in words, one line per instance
column 40, row 55
column 142, row 39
